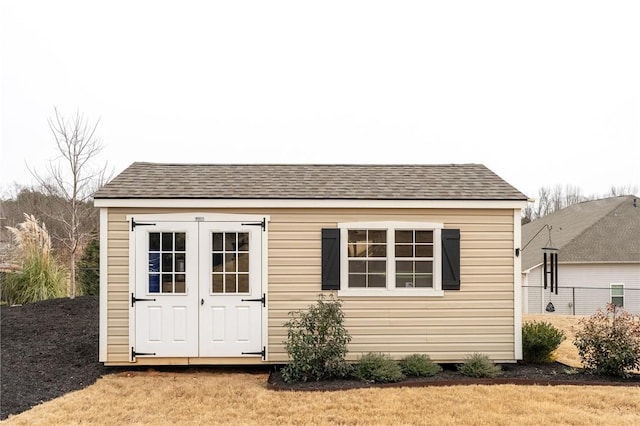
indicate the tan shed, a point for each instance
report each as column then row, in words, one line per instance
column 201, row 263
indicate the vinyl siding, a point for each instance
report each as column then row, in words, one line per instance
column 591, row 282
column 478, row 318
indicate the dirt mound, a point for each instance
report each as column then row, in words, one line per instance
column 48, row 349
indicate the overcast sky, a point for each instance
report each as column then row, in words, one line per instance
column 543, row 93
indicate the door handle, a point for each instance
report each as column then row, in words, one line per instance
column 201, row 302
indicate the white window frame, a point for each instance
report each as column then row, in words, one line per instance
column 391, row 289
column 611, row 296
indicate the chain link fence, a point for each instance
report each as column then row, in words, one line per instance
column 578, row 300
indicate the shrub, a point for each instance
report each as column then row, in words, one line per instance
column 41, row 277
column 539, row 340
column 419, row 365
column 479, row 365
column 317, row 342
column 378, row 368
column 88, row 269
column 609, row 343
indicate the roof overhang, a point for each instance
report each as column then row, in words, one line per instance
column 305, row 203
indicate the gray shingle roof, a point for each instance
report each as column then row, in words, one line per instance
column 286, row 181
column 606, row 230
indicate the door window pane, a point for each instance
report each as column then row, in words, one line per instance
column 167, row 262
column 230, row 263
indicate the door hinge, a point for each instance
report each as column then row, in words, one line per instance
column 262, row 224
column 262, row 353
column 134, row 353
column 134, row 224
column 263, row 299
column 134, row 299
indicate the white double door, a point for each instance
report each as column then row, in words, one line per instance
column 197, row 289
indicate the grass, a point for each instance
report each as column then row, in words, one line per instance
column 220, row 397
column 216, row 397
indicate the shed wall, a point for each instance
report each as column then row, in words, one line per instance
column 478, row 318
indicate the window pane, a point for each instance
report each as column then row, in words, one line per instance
column 404, row 281
column 230, row 283
column 154, row 241
column 167, row 262
column 167, row 283
column 243, row 283
column 180, row 262
column 357, row 236
column 167, row 241
column 378, row 236
column 217, row 262
column 154, row 283
column 617, row 290
column 378, row 251
column 217, row 283
column 404, row 236
column 424, row 280
column 404, row 266
column 217, row 241
column 357, row 266
column 180, row 283
column 377, row 280
column 180, row 241
column 230, row 241
column 243, row 241
column 424, row 267
column 230, row 263
column 618, row 301
column 357, row 280
column 154, row 262
column 243, row 262
column 424, row 236
column 424, row 251
column 379, row 266
column 357, row 250
column 404, row 251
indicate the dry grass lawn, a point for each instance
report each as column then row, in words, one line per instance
column 220, row 397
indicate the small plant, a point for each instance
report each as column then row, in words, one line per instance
column 317, row 342
column 539, row 340
column 609, row 343
column 479, row 365
column 419, row 365
column 378, row 368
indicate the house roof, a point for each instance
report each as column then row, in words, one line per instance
column 598, row 231
column 297, row 181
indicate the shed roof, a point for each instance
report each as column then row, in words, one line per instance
column 298, row 181
column 598, row 231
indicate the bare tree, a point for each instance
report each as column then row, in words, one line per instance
column 74, row 178
column 623, row 190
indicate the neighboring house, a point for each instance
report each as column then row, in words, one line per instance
column 202, row 264
column 599, row 258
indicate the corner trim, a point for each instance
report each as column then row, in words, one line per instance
column 517, row 286
column 104, row 282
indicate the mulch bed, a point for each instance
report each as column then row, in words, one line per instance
column 50, row 348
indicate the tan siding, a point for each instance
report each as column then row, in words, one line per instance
column 478, row 318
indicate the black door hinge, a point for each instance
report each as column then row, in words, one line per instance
column 262, row 224
column 134, row 299
column 134, row 353
column 134, row 224
column 263, row 299
column 262, row 353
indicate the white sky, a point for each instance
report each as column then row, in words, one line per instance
column 543, row 93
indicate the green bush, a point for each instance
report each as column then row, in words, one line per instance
column 88, row 269
column 539, row 340
column 609, row 343
column 378, row 368
column 419, row 365
column 479, row 365
column 317, row 342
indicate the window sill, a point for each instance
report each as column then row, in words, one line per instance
column 398, row 292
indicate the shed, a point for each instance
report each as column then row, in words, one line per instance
column 599, row 258
column 202, row 263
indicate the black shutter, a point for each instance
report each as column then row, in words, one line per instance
column 330, row 259
column 451, row 259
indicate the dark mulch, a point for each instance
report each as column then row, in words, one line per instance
column 48, row 349
column 51, row 348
